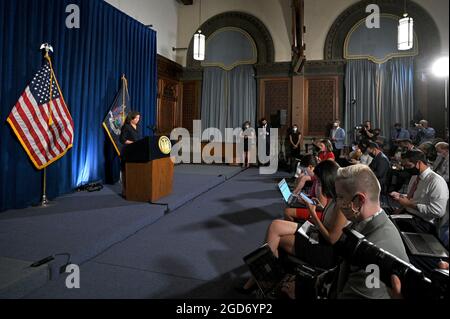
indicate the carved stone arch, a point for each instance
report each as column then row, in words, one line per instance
column 247, row 22
column 424, row 25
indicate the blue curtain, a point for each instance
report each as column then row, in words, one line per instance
column 381, row 93
column 242, row 95
column 88, row 63
column 228, row 97
column 215, row 109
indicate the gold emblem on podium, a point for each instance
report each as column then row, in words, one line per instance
column 165, row 146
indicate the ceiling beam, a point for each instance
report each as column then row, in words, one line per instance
column 186, row 2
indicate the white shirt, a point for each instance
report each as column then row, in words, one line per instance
column 430, row 197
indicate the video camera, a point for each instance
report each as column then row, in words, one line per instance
column 360, row 252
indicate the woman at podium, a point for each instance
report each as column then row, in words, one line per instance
column 131, row 131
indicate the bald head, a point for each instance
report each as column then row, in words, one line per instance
column 359, row 178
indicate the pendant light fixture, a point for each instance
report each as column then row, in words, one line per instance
column 199, row 39
column 405, row 32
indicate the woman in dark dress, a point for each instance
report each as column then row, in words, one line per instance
column 295, row 139
column 131, row 133
column 248, row 135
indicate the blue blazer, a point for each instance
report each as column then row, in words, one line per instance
column 340, row 138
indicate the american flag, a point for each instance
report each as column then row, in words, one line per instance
column 42, row 124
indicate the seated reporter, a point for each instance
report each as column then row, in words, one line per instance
column 284, row 234
column 306, row 174
column 358, row 193
column 326, row 151
column 441, row 165
column 427, row 196
column 380, row 165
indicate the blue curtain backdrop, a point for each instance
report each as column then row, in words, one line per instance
column 88, row 63
column 381, row 93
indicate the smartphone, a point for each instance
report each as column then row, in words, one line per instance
column 307, row 199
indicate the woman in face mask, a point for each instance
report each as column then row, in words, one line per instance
column 248, row 136
column 295, row 141
column 326, row 151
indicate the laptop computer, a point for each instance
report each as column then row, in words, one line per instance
column 424, row 245
column 266, row 269
column 290, row 200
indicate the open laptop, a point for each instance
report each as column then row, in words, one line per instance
column 290, row 200
column 266, row 269
column 424, row 245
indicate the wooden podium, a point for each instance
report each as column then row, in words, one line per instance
column 148, row 171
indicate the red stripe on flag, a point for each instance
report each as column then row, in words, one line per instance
column 25, row 140
column 60, row 126
column 39, row 115
column 68, row 127
column 56, row 129
column 34, row 135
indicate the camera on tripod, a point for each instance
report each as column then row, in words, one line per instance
column 415, row 285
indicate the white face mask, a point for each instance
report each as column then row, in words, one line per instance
column 354, row 148
column 247, row 127
column 295, row 129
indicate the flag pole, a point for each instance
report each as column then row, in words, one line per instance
column 44, row 201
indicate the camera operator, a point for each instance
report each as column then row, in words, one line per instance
column 358, row 193
column 366, row 133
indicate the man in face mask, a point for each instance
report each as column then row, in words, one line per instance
column 358, row 193
column 427, row 195
column 337, row 138
column 380, row 165
column 441, row 165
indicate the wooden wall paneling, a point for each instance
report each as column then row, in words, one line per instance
column 169, row 95
column 191, row 104
column 275, row 95
column 322, row 104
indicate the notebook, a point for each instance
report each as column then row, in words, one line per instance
column 424, row 245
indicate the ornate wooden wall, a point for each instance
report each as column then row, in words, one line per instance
column 169, row 95
column 322, row 104
column 191, row 103
column 275, row 96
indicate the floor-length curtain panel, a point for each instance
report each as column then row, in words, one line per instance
column 397, row 93
column 88, row 62
column 215, row 99
column 361, row 94
column 242, row 95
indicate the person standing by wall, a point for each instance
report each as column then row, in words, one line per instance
column 295, row 142
column 337, row 137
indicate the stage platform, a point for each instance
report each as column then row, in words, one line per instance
column 190, row 181
column 82, row 225
column 195, row 251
